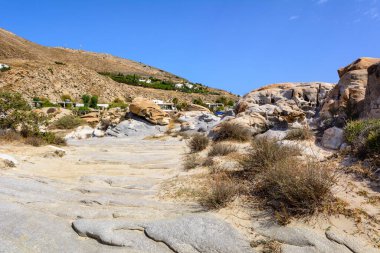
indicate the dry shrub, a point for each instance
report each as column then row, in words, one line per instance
column 233, row 131
column 293, row 187
column 221, row 149
column 191, row 161
column 222, row 191
column 34, row 141
column 198, row 142
column 265, row 152
column 208, row 162
column 9, row 136
column 299, row 134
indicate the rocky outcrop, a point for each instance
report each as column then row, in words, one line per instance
column 361, row 63
column 346, row 100
column 196, row 121
column 281, row 105
column 135, row 127
column 372, row 96
column 332, row 138
column 150, row 111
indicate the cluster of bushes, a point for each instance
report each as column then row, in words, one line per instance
column 18, row 119
column 118, row 103
column 225, row 101
column 269, row 171
column 43, row 102
column 155, row 83
column 364, row 137
column 68, row 122
column 90, row 101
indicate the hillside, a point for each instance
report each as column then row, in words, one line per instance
column 51, row 72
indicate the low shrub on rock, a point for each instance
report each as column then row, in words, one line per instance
column 68, row 122
column 221, row 149
column 233, row 131
column 198, row 142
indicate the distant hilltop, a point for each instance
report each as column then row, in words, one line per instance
column 51, row 72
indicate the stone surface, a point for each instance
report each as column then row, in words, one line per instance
column 196, row 121
column 135, row 127
column 361, row 63
column 195, row 107
column 81, row 132
column 372, row 96
column 9, row 160
column 149, row 110
column 333, row 138
column 282, row 105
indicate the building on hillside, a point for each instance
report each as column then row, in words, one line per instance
column 178, row 85
column 214, row 106
column 166, row 107
column 103, row 106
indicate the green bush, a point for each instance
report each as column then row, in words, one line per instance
column 364, row 136
column 86, row 100
column 94, row 102
column 12, row 101
column 68, row 122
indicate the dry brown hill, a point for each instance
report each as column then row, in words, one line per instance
column 35, row 72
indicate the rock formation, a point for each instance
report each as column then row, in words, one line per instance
column 346, row 100
column 372, row 95
column 281, row 105
column 150, row 111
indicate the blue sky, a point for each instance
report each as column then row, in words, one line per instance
column 237, row 45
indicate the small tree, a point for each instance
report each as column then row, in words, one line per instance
column 86, row 100
column 175, row 101
column 12, row 101
column 94, row 102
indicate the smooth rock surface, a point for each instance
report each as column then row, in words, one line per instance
column 333, row 138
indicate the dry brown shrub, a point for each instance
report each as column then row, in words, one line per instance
column 34, row 141
column 221, row 149
column 233, row 131
column 222, row 191
column 191, row 161
column 9, row 136
column 198, row 142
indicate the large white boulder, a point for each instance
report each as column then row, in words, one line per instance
column 82, row 132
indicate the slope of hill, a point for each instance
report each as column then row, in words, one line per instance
column 51, row 72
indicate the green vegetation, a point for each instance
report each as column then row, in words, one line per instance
column 43, row 102
column 199, row 101
column 18, row 118
column 198, row 142
column 118, row 103
column 93, row 102
column 225, row 101
column 5, row 69
column 154, row 83
column 66, row 97
column 364, row 136
column 68, row 122
column 86, row 100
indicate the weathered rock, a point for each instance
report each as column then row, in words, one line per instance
column 82, row 132
column 195, row 107
column 135, row 127
column 149, row 110
column 55, row 152
column 112, row 117
column 273, row 134
column 92, row 117
column 8, row 161
column 282, row 105
column 372, row 96
column 197, row 121
column 188, row 234
column 361, row 63
column 333, row 138
column 98, row 133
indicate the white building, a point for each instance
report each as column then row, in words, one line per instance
column 3, row 66
column 178, row 85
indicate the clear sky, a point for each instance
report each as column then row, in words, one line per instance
column 237, row 45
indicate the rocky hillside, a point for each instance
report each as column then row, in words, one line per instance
column 51, row 72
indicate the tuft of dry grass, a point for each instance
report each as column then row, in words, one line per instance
column 191, row 161
column 34, row 141
column 198, row 142
column 221, row 149
column 233, row 131
column 222, row 191
column 266, row 152
column 9, row 136
column 299, row 134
